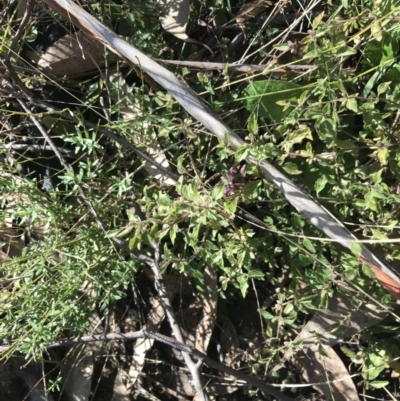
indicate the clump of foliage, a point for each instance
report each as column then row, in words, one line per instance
column 333, row 128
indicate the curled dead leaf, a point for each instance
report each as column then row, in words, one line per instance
column 316, row 368
column 251, row 10
column 206, row 325
column 174, row 17
column 71, row 55
column 387, row 282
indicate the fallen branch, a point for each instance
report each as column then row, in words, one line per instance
column 33, row 148
column 242, row 68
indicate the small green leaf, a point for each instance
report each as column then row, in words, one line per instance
column 383, row 87
column 326, row 128
column 377, row 359
column 262, row 98
column 356, row 248
column 194, row 235
column 377, row 177
column 125, row 231
column 164, row 201
column 308, row 245
column 379, row 384
column 349, row 353
column 320, row 184
column 195, row 191
column 314, row 51
column 172, row 233
column 317, row 20
column 231, row 204
column 373, row 373
column 218, row 191
column 115, row 233
column 351, row 104
column 288, row 309
column 368, row 271
column 378, row 235
column 257, row 274
column 242, row 153
column 291, row 168
column 290, row 321
column 298, row 135
column 376, row 31
column 32, row 34
column 253, row 124
column 283, row 47
column 371, row 201
column 383, row 156
column 371, row 82
column 187, row 192
column 346, row 51
column 351, row 274
column 250, row 189
column 133, row 242
column 345, row 144
column 243, row 285
column 322, row 351
column 266, row 315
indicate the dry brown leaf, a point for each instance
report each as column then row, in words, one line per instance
column 327, row 328
column 251, row 10
column 120, row 392
column 229, row 348
column 11, row 241
column 317, row 368
column 206, row 326
column 77, row 370
column 386, row 281
column 339, row 313
column 173, row 284
column 142, row 345
column 174, row 17
column 229, row 341
column 71, row 55
column 3, row 256
column 77, row 373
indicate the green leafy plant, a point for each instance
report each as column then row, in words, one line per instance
column 333, row 129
